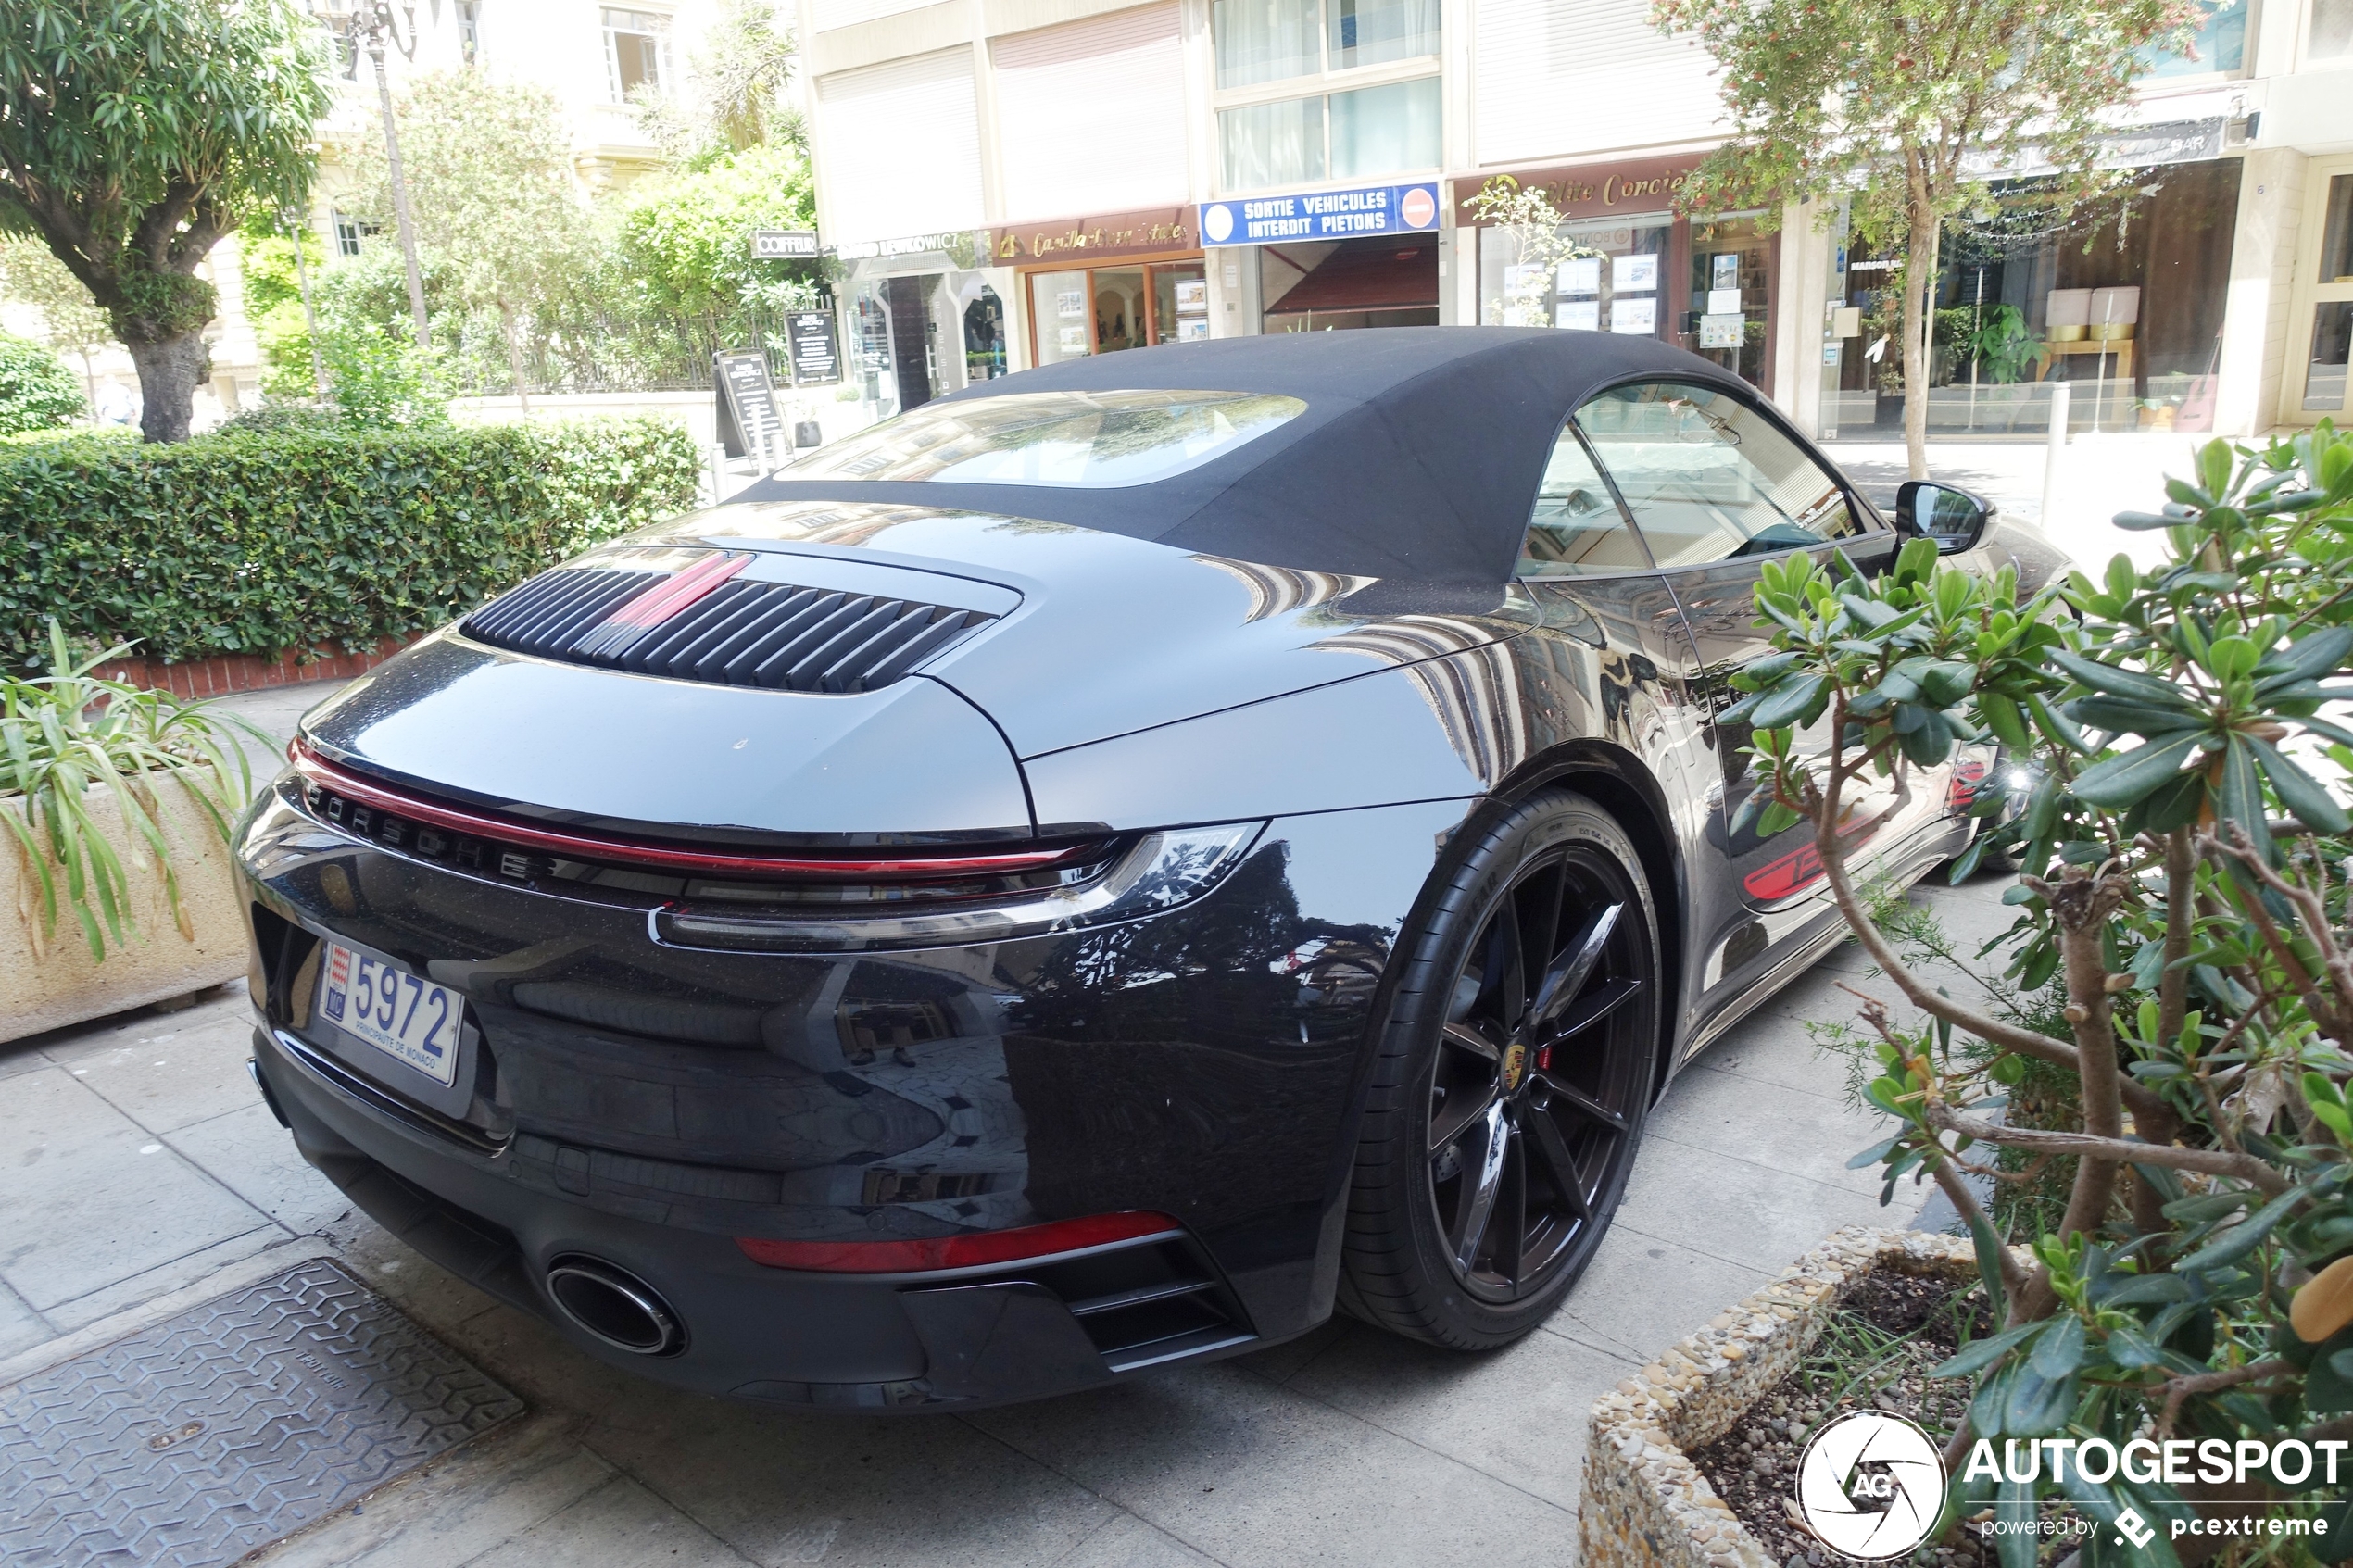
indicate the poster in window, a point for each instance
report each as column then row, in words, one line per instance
column 1723, row 302
column 1581, row 274
column 1633, row 274
column 1720, row 331
column 1633, row 315
column 1193, row 330
column 1071, row 306
column 1074, row 340
column 1725, row 272
column 1577, row 315
column 1192, row 296
column 1518, row 279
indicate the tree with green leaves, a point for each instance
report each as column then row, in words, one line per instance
column 491, row 188
column 70, row 320
column 134, row 134
column 735, row 91
column 36, row 390
column 2184, row 859
column 1903, row 107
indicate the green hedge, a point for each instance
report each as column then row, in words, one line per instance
column 260, row 543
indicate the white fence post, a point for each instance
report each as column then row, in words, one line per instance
column 2051, row 456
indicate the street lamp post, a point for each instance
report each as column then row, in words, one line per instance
column 371, row 25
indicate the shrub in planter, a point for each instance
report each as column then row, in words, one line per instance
column 2184, row 861
column 67, row 738
column 263, row 542
column 36, row 390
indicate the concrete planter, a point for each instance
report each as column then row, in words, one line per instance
column 1646, row 1505
column 64, row 986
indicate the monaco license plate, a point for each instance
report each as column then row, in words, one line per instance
column 410, row 1020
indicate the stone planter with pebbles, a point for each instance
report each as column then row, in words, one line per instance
column 1646, row 1503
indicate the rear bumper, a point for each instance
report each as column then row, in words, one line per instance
column 643, row 1105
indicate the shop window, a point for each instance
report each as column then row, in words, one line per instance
column 1606, row 275
column 2332, row 35
column 1276, row 39
column 1576, row 528
column 1107, row 308
column 985, row 336
column 470, row 31
column 636, row 51
column 1731, row 283
column 2336, row 234
column 1383, row 130
column 1709, row 477
column 2218, row 44
column 1371, row 32
column 2332, row 339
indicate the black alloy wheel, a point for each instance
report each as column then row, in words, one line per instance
column 1509, row 1096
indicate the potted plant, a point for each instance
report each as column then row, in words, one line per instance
column 118, row 803
column 2184, row 859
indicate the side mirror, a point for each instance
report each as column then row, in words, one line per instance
column 1946, row 513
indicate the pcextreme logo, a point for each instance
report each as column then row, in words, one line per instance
column 1871, row 1485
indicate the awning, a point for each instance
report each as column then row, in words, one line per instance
column 1366, row 275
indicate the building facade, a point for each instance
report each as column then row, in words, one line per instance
column 1009, row 183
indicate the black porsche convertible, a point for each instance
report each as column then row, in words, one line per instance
column 1091, row 874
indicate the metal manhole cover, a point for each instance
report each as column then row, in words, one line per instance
column 241, row 1421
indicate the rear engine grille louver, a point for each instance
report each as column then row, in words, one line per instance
column 732, row 633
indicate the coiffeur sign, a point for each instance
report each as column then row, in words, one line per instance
column 1083, row 240
column 1593, row 190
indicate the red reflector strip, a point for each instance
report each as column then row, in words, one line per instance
column 964, row 1251
column 666, row 598
column 584, row 847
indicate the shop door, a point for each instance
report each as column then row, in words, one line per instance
column 910, row 330
column 2320, row 319
column 1717, row 489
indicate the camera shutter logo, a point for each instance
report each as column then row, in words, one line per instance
column 1870, row 1484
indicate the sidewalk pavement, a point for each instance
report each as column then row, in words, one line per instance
column 148, row 1177
column 2098, row 476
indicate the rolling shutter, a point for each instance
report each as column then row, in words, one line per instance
column 1091, row 115
column 899, row 148
column 1565, row 78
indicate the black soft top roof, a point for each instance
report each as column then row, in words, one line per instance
column 1418, row 456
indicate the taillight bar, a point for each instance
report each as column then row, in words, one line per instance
column 969, row 1250
column 637, row 852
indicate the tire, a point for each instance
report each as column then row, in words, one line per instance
column 1569, row 1085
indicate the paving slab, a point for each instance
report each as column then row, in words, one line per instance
column 1258, row 1476
column 94, row 1199
column 1740, row 1210
column 166, row 1075
column 482, row 1497
column 621, row 1524
column 1128, row 1542
column 1518, row 1414
column 247, row 1152
column 1644, row 1292
column 872, row 1489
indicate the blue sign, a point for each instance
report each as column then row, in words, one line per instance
column 1320, row 214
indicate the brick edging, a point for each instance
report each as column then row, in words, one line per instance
column 224, row 674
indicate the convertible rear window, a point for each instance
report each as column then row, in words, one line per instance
column 1083, row 440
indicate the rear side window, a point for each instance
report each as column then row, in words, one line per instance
column 1576, row 528
column 1085, row 440
column 1709, row 477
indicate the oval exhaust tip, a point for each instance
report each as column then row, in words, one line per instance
column 614, row 1306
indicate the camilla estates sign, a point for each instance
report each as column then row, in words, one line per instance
column 1081, row 240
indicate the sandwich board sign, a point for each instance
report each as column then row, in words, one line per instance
column 748, row 420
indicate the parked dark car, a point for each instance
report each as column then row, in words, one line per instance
column 1088, row 875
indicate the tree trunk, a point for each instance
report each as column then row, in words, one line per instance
column 514, row 355
column 169, row 371
column 1920, row 300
